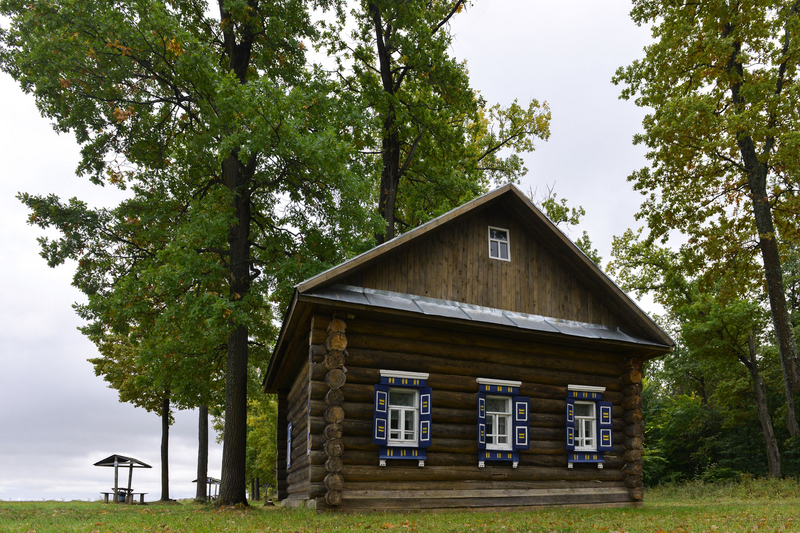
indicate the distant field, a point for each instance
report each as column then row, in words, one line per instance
column 694, row 507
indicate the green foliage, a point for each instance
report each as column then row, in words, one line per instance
column 262, row 453
column 428, row 140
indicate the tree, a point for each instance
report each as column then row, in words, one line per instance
column 429, row 140
column 723, row 135
column 718, row 316
column 219, row 117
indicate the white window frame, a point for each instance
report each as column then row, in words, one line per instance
column 402, row 410
column 581, row 422
column 507, row 242
column 492, row 418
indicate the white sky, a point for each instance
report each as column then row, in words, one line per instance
column 58, row 419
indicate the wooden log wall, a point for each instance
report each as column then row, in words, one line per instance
column 451, row 477
column 297, row 476
column 333, row 382
column 634, row 428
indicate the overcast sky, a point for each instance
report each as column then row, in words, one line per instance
column 57, row 419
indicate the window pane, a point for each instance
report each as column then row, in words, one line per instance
column 503, row 250
column 497, row 405
column 497, row 234
column 395, row 419
column 588, row 429
column 489, row 425
column 493, row 248
column 409, row 420
column 502, row 425
column 402, row 398
column 584, row 409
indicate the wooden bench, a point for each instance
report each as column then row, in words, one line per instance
column 129, row 497
column 132, row 496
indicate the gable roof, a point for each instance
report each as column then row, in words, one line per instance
column 524, row 208
column 639, row 325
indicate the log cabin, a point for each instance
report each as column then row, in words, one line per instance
column 478, row 361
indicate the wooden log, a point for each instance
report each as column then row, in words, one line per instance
column 334, row 397
column 634, row 389
column 334, row 359
column 637, row 494
column 332, row 431
column 317, row 336
column 299, row 476
column 333, row 464
column 633, row 443
column 633, row 481
column 484, row 485
column 297, row 411
column 633, row 469
column 334, row 447
column 336, row 341
column 320, row 321
column 632, row 376
column 464, row 473
column 280, row 474
column 334, row 482
column 316, row 353
column 333, row 498
column 631, row 403
column 634, row 430
column 633, row 417
column 307, row 489
column 299, row 386
column 578, row 362
column 338, row 325
column 451, row 364
column 335, row 378
column 316, row 457
column 498, row 342
column 632, row 455
column 334, row 414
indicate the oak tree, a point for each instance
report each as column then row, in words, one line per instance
column 217, row 118
column 720, row 81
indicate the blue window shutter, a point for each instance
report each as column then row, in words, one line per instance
column 380, row 421
column 519, row 409
column 604, row 427
column 481, row 421
column 425, row 419
column 570, row 424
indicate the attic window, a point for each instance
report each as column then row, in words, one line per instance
column 498, row 244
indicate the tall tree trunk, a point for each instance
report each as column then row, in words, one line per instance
column 390, row 143
column 165, row 448
column 773, row 454
column 773, row 273
column 757, row 172
column 202, row 455
column 237, row 178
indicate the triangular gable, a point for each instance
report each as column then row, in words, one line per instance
column 447, row 258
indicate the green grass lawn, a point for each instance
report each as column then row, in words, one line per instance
column 751, row 505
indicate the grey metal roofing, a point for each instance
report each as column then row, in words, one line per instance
column 396, row 301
